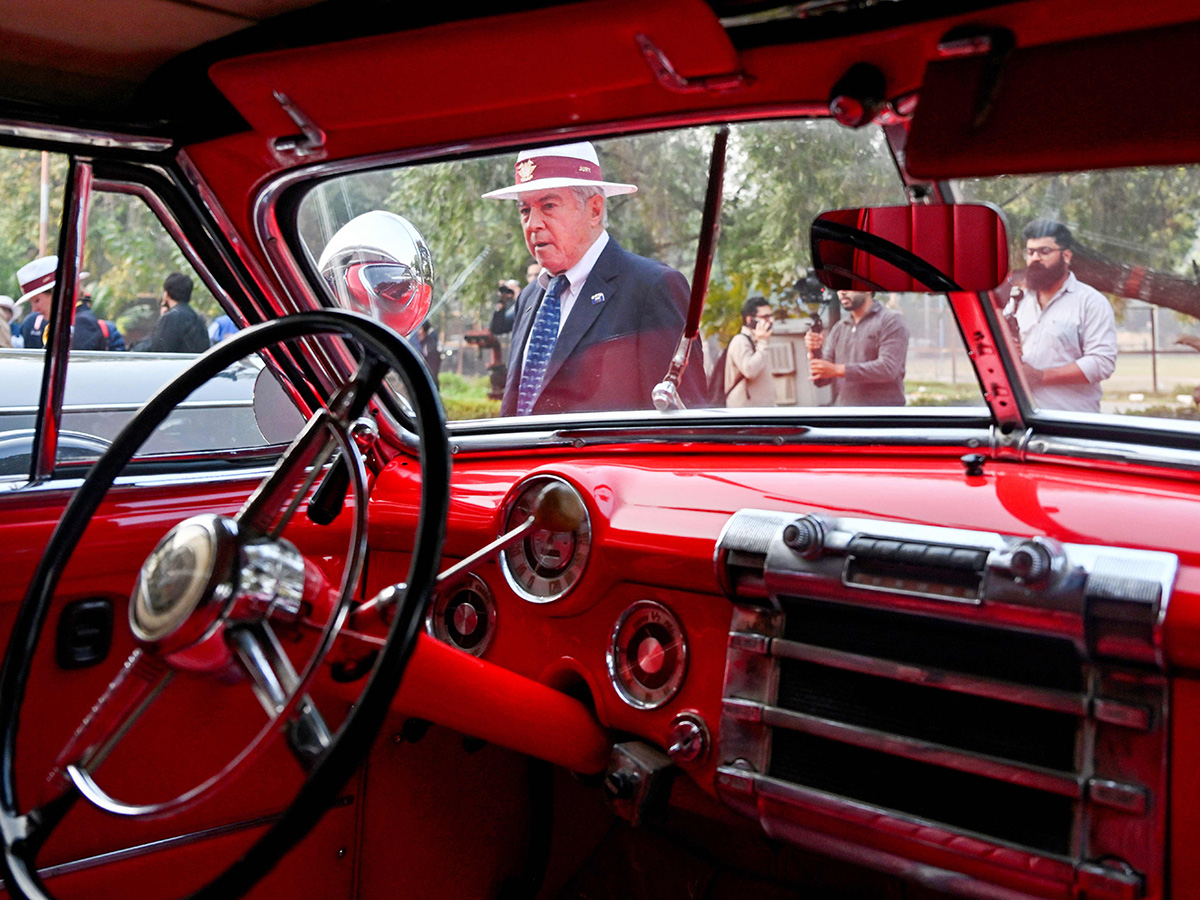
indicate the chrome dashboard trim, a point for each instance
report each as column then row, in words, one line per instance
column 941, row 679
column 1036, row 777
column 923, row 831
column 673, row 429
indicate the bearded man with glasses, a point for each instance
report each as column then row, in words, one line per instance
column 1068, row 333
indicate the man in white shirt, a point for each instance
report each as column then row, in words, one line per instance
column 1067, row 329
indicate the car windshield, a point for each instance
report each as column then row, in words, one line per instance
column 1083, row 322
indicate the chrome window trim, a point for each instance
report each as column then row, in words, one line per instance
column 204, row 196
column 82, row 137
column 167, row 219
column 286, row 268
column 68, row 486
column 71, row 240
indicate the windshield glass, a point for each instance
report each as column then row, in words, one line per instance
column 1102, row 305
column 621, row 220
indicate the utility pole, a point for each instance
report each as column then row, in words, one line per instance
column 44, row 211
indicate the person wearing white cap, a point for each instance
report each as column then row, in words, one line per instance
column 596, row 330
column 8, row 307
column 37, row 279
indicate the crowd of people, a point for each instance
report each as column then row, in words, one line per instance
column 178, row 328
column 591, row 311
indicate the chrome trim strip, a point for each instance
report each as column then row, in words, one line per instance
column 167, row 219
column 171, row 843
column 57, row 345
column 68, row 486
column 1118, row 454
column 944, row 679
column 1130, row 798
column 914, row 828
column 83, row 137
column 128, row 407
column 1035, row 777
column 207, row 200
column 684, row 427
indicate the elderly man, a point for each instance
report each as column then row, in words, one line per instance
column 1068, row 332
column 597, row 328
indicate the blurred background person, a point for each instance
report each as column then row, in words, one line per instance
column 8, row 308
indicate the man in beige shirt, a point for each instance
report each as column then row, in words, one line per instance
column 747, row 368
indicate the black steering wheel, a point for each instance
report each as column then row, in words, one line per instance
column 233, row 580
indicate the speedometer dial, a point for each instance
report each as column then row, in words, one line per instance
column 544, row 565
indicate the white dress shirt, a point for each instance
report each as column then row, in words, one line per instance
column 1076, row 326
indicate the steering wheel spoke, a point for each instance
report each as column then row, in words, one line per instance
column 311, row 450
column 140, row 682
column 276, row 685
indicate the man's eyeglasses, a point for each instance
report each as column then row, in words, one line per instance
column 1041, row 252
column 767, row 318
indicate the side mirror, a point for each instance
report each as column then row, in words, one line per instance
column 378, row 264
column 948, row 247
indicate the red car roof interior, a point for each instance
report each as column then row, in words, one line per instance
column 535, row 58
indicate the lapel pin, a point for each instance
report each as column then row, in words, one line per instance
column 597, row 298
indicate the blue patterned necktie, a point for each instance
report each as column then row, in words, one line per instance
column 541, row 344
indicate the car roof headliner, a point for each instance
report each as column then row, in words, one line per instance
column 141, row 65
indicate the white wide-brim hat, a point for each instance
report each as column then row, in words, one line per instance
column 37, row 276
column 567, row 165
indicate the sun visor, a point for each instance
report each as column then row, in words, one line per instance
column 551, row 59
column 1109, row 101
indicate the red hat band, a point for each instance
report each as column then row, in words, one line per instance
column 536, row 168
column 40, row 281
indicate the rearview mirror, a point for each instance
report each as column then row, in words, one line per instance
column 948, row 247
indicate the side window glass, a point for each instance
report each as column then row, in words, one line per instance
column 143, row 316
column 32, row 184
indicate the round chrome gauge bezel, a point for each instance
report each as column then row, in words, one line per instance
column 637, row 615
column 522, row 572
column 435, row 622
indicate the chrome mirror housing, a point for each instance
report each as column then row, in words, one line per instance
column 378, row 264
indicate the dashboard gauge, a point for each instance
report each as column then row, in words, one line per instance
column 544, row 565
column 647, row 657
column 464, row 617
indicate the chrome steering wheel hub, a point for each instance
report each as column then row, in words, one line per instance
column 186, row 583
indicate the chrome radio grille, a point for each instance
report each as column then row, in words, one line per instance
column 1016, row 734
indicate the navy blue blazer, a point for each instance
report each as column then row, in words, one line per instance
column 617, row 342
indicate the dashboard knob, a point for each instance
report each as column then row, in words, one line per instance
column 1030, row 562
column 806, row 535
column 689, row 739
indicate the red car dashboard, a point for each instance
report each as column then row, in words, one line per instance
column 945, row 669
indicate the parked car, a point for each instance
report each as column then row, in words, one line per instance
column 924, row 625
column 106, row 389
